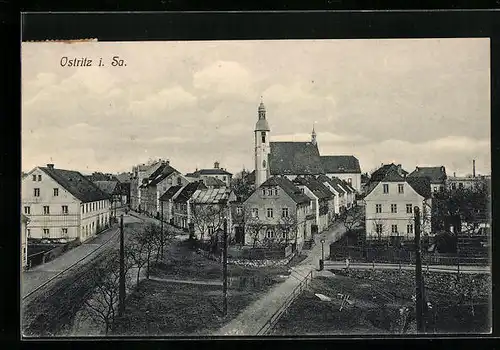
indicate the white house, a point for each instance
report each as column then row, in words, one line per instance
column 217, row 173
column 345, row 168
column 390, row 202
column 63, row 204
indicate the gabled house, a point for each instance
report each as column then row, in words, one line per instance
column 139, row 174
column 346, row 199
column 436, row 175
column 216, row 173
column 182, row 207
column 167, row 203
column 208, row 208
column 321, row 200
column 345, row 168
column 63, row 204
column 339, row 199
column 390, row 201
column 276, row 213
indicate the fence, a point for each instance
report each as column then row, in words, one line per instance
column 269, row 325
column 48, row 255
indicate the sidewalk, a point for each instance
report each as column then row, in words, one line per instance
column 436, row 268
column 255, row 316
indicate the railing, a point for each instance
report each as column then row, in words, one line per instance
column 269, row 325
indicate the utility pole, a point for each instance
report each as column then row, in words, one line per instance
column 224, row 267
column 161, row 237
column 418, row 276
column 121, row 308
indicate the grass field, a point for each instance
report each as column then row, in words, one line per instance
column 377, row 298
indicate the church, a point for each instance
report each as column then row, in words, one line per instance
column 293, row 159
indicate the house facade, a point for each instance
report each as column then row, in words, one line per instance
column 276, row 212
column 63, row 204
column 167, row 203
column 338, row 204
column 139, row 173
column 390, row 203
column 181, row 204
column 216, row 173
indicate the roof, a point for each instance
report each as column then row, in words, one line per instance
column 211, row 196
column 421, row 185
column 436, row 174
column 348, row 186
column 109, row 187
column 212, row 181
column 288, row 186
column 24, row 218
column 294, row 158
column 210, row 172
column 315, row 186
column 97, row 176
column 388, row 173
column 161, row 173
column 340, row 164
column 76, row 184
column 188, row 191
column 170, row 193
column 124, row 177
column 334, row 182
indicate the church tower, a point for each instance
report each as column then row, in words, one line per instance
column 313, row 137
column 262, row 147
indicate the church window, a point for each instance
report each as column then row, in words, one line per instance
column 264, row 163
column 263, row 135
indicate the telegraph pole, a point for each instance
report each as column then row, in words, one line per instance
column 122, row 272
column 161, row 237
column 418, row 276
column 224, row 267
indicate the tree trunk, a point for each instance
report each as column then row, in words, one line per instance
column 138, row 274
column 147, row 267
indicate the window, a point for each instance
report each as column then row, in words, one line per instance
column 264, row 163
column 46, row 232
column 263, row 136
column 211, row 230
column 179, row 181
column 28, row 232
column 86, row 207
column 460, row 185
column 65, row 209
column 27, row 210
column 263, row 191
column 34, row 177
column 435, row 189
column 224, row 178
column 401, row 188
column 275, row 191
column 378, row 208
column 394, row 208
column 394, row 229
column 36, row 192
column 284, row 212
column 56, row 192
column 302, row 189
column 349, row 181
column 64, row 232
column 379, row 228
column 270, row 233
column 453, row 186
column 386, row 188
column 269, row 212
column 270, row 192
column 255, row 212
column 46, row 210
column 39, row 177
column 239, row 210
column 409, row 209
column 409, row 229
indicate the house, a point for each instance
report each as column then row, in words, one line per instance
column 140, row 172
column 436, row 175
column 345, row 168
column 321, row 201
column 340, row 195
column 467, row 182
column 181, row 204
column 24, row 241
column 63, row 204
column 113, row 190
column 157, row 184
column 209, row 208
column 390, row 201
column 167, row 203
column 217, row 173
column 276, row 212
column 347, row 194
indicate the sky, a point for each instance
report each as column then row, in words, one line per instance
column 415, row 102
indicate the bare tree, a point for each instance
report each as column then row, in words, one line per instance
column 137, row 251
column 253, row 226
column 380, row 223
column 102, row 307
column 351, row 220
column 287, row 226
column 208, row 219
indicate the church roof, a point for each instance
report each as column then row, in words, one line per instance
column 340, row 164
column 294, row 158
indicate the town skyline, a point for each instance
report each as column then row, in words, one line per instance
column 408, row 102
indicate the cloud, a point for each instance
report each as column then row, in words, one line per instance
column 224, row 77
column 164, row 100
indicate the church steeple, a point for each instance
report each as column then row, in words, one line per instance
column 262, row 146
column 313, row 136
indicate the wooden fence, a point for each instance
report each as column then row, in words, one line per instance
column 269, row 325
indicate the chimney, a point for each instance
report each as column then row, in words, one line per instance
column 216, row 165
column 50, row 166
column 473, row 168
column 454, row 174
